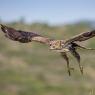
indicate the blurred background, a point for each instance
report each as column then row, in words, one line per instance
column 32, row 69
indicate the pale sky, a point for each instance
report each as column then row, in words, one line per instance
column 51, row 11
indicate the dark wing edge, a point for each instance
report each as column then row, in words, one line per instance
column 82, row 37
column 23, row 36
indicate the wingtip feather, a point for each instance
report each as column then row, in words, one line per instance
column 3, row 28
column 2, row 25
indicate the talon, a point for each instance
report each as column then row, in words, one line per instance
column 81, row 69
column 69, row 72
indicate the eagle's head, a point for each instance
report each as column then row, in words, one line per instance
column 56, row 45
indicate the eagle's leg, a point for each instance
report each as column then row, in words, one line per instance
column 79, row 46
column 64, row 55
column 77, row 56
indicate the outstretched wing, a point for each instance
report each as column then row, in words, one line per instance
column 82, row 37
column 22, row 36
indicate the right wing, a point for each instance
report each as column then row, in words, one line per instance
column 23, row 36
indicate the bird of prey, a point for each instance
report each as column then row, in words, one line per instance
column 61, row 46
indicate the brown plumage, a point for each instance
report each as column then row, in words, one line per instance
column 22, row 36
column 82, row 37
column 61, row 46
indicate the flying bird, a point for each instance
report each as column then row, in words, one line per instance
column 61, row 46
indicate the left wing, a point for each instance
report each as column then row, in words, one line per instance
column 23, row 36
column 82, row 37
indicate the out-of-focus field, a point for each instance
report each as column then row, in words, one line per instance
column 32, row 69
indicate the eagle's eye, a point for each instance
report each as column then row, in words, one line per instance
column 50, row 44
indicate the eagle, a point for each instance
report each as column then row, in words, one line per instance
column 61, row 46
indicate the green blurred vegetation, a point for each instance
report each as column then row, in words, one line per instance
column 32, row 69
